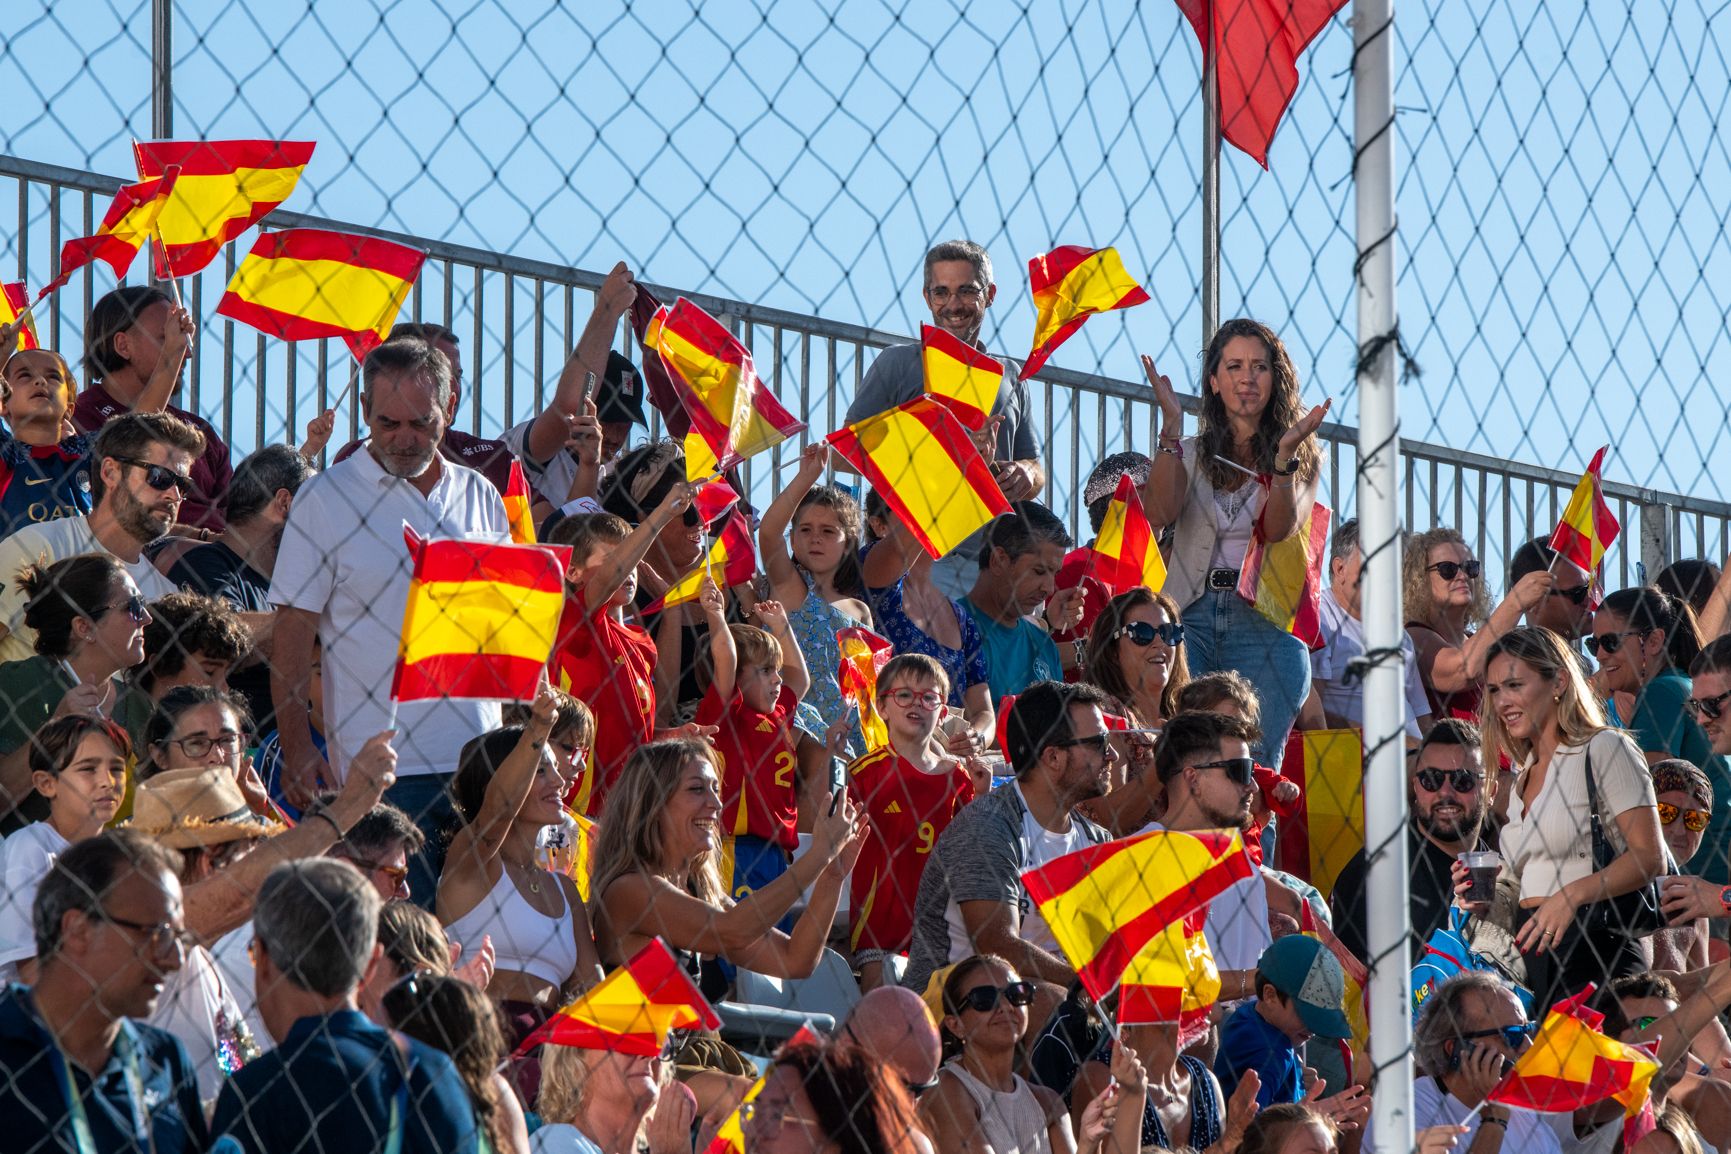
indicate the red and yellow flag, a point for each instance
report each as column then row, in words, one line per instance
column 225, row 187
column 306, row 283
column 632, row 1010
column 1587, row 528
column 1106, row 903
column 1572, row 1064
column 517, row 501
column 1125, row 552
column 733, row 416
column 922, row 461
column 961, row 376
column 15, row 303
column 863, row 656
column 731, row 560
column 1070, row 284
column 1315, row 843
column 480, row 619
column 1283, row 579
column 1172, row 979
column 126, row 227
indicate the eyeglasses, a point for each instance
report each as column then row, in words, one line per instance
column 1694, row 820
column 1142, row 634
column 1611, row 642
column 162, row 478
column 1515, row 1037
column 134, row 606
column 968, row 292
column 928, row 699
column 1098, row 743
column 1462, row 780
column 1241, row 770
column 1449, row 570
column 397, row 874
column 1711, row 707
column 984, row 999
column 198, row 745
column 770, row 1116
column 159, row 936
column 1578, row 594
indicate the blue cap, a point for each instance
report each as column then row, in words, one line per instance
column 1302, row 968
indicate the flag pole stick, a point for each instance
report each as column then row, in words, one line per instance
column 1251, row 473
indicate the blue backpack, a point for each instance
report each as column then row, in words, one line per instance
column 1447, row 954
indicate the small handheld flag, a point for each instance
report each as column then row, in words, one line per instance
column 863, row 656
column 126, row 227
column 632, row 1010
column 1070, row 284
column 14, row 303
column 224, row 188
column 731, row 560
column 961, row 376
column 1125, row 553
column 1587, row 528
column 517, row 501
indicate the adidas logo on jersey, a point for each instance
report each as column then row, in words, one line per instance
column 893, row 807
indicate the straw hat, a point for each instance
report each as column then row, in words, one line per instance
column 189, row 808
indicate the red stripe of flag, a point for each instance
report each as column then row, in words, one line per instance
column 385, row 256
column 540, row 569
column 466, row 676
column 221, row 157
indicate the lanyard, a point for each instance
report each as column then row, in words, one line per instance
column 81, row 1136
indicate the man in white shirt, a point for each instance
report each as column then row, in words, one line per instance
column 1340, row 687
column 143, row 463
column 342, row 575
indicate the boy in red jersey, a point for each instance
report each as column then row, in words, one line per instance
column 909, row 791
column 601, row 659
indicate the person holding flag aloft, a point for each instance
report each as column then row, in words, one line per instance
column 1251, row 473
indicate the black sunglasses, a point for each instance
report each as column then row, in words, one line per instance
column 1143, row 634
column 1610, row 642
column 1431, row 780
column 1239, row 769
column 1577, row 594
column 985, row 998
column 1449, row 570
column 134, row 606
column 1708, row 707
column 1515, row 1037
column 161, row 478
column 1097, row 743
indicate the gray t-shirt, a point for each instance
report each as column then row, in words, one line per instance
column 898, row 376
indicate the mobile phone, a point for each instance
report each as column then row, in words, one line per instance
column 588, row 385
column 834, row 802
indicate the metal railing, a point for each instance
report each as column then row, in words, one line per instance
column 520, row 317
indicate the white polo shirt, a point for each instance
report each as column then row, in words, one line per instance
column 1343, row 642
column 53, row 541
column 343, row 557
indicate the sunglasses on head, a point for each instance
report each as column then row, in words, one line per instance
column 984, row 999
column 1577, row 594
column 161, row 478
column 1143, row 634
column 1708, row 707
column 1694, row 820
column 1610, row 642
column 1449, row 570
column 1461, row 780
column 1241, row 770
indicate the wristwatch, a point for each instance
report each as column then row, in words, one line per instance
column 1288, row 468
column 1725, row 898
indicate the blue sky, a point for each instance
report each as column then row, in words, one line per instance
column 1562, row 185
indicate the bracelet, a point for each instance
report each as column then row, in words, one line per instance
column 1487, row 1120
column 331, row 820
column 1288, row 485
column 1174, row 448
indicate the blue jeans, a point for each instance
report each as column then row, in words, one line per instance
column 1224, row 631
column 426, row 798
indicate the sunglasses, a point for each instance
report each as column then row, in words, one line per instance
column 1241, row 770
column 1515, row 1037
column 1449, row 570
column 160, row 478
column 1610, row 642
column 1644, row 1021
column 134, row 606
column 1097, row 743
column 985, row 998
column 1142, row 634
column 1461, row 780
column 1694, row 820
column 1710, row 707
column 397, row 874
column 1578, row 594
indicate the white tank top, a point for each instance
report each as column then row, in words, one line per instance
column 524, row 938
column 1010, row 1123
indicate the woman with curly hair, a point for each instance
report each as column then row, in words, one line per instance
column 1250, row 473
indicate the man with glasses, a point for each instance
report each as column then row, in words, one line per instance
column 1449, row 796
column 335, row 1081
column 958, row 289
column 77, row 1070
column 1565, row 609
column 380, row 846
column 1338, row 683
column 971, row 898
column 140, row 476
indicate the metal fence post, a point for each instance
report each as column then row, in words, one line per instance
column 162, row 69
column 1656, row 517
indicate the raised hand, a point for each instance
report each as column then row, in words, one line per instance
column 319, row 431
column 773, row 615
column 1165, row 397
column 178, row 335
column 813, row 460
column 678, row 499
column 709, row 597
column 1064, row 609
column 374, row 769
column 584, row 436
column 1303, row 430
column 616, row 292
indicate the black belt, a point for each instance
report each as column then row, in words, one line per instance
column 1223, row 578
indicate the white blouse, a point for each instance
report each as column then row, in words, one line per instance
column 1551, row 845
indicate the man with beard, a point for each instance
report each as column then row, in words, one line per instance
column 971, row 899
column 342, row 576
column 1449, row 794
column 141, row 474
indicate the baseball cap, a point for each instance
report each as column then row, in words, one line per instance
column 1302, row 968
column 619, row 396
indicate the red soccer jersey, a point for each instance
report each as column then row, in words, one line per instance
column 754, row 756
column 907, row 809
column 610, row 667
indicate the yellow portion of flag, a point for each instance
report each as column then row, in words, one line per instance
column 324, row 291
column 700, row 459
column 713, row 566
column 479, row 617
column 931, row 491
column 726, row 388
column 1177, row 960
column 969, row 386
column 1095, row 285
column 517, row 501
column 1110, row 541
column 202, row 204
column 1333, row 781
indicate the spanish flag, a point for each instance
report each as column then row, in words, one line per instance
column 1588, row 528
column 1172, row 979
column 517, row 500
column 225, row 187
column 480, row 619
column 1572, row 1064
column 731, row 560
column 125, row 228
column 306, row 283
column 733, row 416
column 1283, row 579
column 1315, row 843
column 1106, row 903
column 961, row 376
column 1125, row 552
column 632, row 1010
column 922, row 461
column 863, row 656
column 1070, row 284
column 14, row 303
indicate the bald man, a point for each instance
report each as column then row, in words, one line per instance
column 892, row 1025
